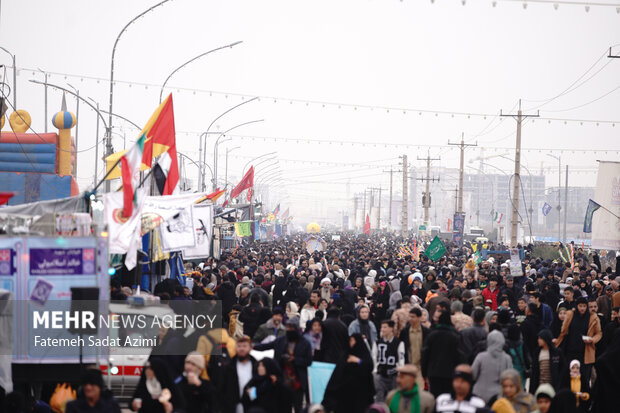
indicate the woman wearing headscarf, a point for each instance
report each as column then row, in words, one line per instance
column 292, row 310
column 362, row 325
column 578, row 385
column 314, row 335
column 360, row 288
column 512, row 392
column 156, row 391
column 488, row 366
column 351, row 388
column 266, row 390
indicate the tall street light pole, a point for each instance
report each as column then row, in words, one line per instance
column 228, row 150
column 110, row 111
column 204, row 143
column 217, row 143
column 195, row 163
column 190, row 61
column 96, row 144
column 14, row 77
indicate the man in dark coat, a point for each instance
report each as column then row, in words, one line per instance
column 93, row 397
column 607, row 383
column 473, row 339
column 236, row 375
column 530, row 327
column 440, row 355
column 335, row 336
column 294, row 355
column 511, row 291
column 253, row 316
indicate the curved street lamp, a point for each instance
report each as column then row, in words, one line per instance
column 14, row 77
column 217, row 143
column 195, row 163
column 110, row 111
column 228, row 150
column 253, row 159
column 190, row 61
column 203, row 145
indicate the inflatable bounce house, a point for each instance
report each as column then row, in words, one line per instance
column 37, row 166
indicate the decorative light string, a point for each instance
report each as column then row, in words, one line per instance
column 318, row 103
column 377, row 144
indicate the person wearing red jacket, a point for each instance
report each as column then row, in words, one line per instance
column 491, row 293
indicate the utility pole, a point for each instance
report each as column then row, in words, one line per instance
column 427, row 194
column 379, row 214
column 461, row 167
column 389, row 225
column 456, row 197
column 405, row 213
column 355, row 213
column 364, row 210
column 517, row 175
column 565, row 204
column 390, row 204
column 379, row 207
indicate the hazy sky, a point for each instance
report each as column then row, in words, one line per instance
column 366, row 55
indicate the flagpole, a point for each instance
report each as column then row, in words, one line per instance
column 609, row 211
column 107, row 174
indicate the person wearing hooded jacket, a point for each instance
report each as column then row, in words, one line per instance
column 488, row 365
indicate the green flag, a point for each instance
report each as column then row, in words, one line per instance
column 477, row 258
column 435, row 250
column 243, row 228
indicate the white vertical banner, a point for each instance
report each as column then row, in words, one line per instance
column 203, row 227
column 606, row 226
column 178, row 232
column 359, row 219
column 374, row 218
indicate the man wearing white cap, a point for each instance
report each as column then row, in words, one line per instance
column 326, row 289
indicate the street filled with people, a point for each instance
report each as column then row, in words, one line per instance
column 402, row 332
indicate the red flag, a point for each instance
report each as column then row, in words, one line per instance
column 5, row 196
column 249, row 194
column 215, row 195
column 367, row 225
column 245, row 183
column 161, row 139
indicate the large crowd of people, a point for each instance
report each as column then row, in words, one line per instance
column 405, row 333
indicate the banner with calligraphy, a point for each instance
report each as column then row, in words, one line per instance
column 61, row 261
